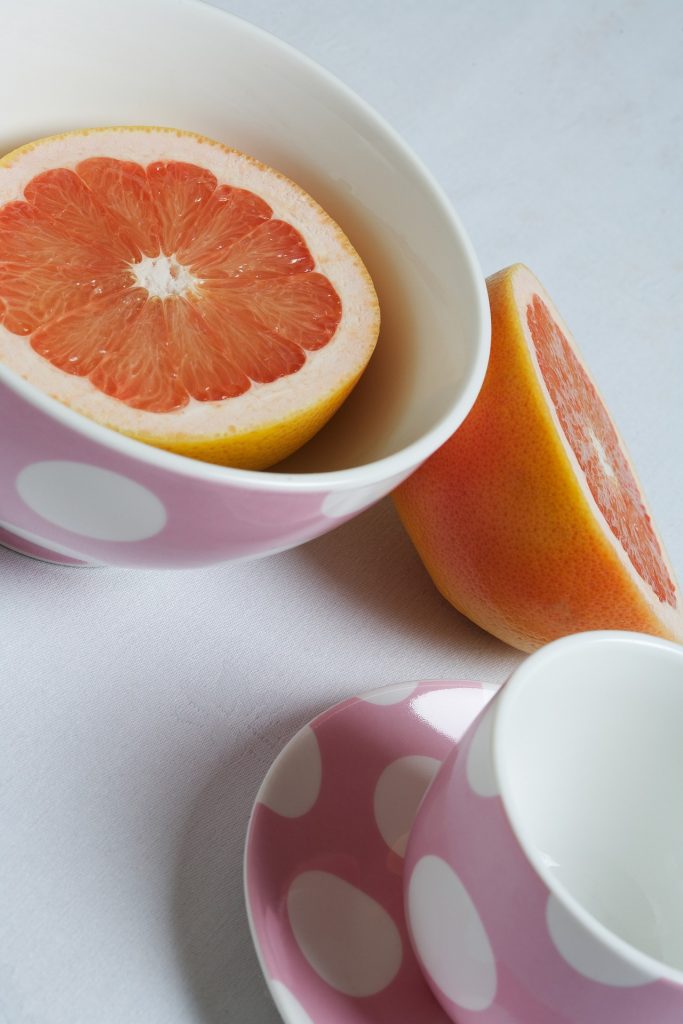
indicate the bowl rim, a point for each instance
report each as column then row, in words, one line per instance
column 386, row 468
column 653, row 969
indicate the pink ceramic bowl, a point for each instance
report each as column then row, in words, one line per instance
column 74, row 493
column 543, row 873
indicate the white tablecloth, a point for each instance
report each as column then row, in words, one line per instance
column 140, row 710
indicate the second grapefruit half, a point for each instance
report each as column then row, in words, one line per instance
column 530, row 519
column 179, row 292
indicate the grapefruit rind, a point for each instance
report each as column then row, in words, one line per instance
column 262, row 447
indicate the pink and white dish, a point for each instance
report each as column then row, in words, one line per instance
column 76, row 493
column 325, row 848
column 543, row 872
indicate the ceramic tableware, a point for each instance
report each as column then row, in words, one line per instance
column 544, row 870
column 324, row 855
column 74, row 492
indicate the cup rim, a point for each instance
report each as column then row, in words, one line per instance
column 650, row 966
column 402, row 461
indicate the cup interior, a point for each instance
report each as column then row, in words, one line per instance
column 589, row 755
column 61, row 68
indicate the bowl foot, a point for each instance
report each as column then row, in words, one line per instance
column 33, row 549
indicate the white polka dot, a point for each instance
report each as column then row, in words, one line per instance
column 480, row 773
column 90, row 501
column 398, row 793
column 291, row 1010
column 292, row 785
column 346, row 936
column 390, row 694
column 449, row 936
column 340, row 504
column 586, row 954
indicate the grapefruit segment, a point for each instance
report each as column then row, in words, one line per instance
column 261, row 356
column 36, row 286
column 34, row 299
column 61, row 198
column 124, row 349
column 129, row 198
column 168, row 287
column 228, row 215
column 304, row 310
column 272, row 249
column 179, row 191
column 530, row 519
column 209, row 372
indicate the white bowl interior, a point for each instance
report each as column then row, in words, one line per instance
column 590, row 752
column 185, row 64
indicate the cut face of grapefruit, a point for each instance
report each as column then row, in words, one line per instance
column 179, row 292
column 530, row 519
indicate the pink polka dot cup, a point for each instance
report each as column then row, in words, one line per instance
column 73, row 492
column 543, row 872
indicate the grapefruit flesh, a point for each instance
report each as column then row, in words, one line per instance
column 530, row 519
column 179, row 292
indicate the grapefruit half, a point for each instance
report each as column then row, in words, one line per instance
column 179, row 292
column 530, row 518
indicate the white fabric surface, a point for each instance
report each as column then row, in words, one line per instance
column 140, row 710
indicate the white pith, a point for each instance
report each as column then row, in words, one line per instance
column 163, row 277
column 603, row 458
column 322, row 373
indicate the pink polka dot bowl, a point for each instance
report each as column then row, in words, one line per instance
column 543, row 871
column 75, row 493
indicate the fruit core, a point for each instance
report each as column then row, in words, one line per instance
column 162, row 276
column 594, row 441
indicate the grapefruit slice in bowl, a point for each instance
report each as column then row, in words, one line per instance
column 530, row 519
column 179, row 292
